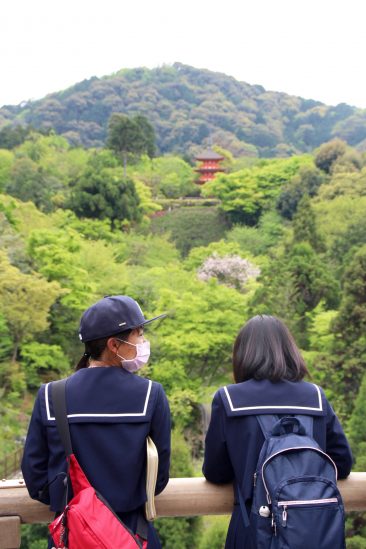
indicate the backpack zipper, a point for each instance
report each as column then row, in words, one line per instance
column 299, row 503
column 307, row 501
column 284, row 516
column 289, row 449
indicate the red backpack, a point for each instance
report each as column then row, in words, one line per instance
column 88, row 521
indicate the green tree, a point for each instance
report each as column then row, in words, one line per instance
column 335, row 216
column 42, row 363
column 6, row 342
column 190, row 227
column 54, row 156
column 293, row 284
column 34, row 536
column 214, row 535
column 307, row 181
column 168, row 176
column 11, row 136
column 147, row 205
column 28, row 182
column 258, row 240
column 356, row 542
column 305, row 227
column 203, row 344
column 130, row 136
column 347, row 244
column 102, row 193
column 56, row 254
column 246, row 194
column 25, row 302
column 147, row 133
column 350, row 161
column 328, row 153
column 6, row 163
column 344, row 183
column 350, row 330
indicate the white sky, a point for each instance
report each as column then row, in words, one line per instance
column 312, row 48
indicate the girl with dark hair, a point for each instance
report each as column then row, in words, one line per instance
column 268, row 372
column 110, row 411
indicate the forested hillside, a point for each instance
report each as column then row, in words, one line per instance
column 285, row 236
column 188, row 107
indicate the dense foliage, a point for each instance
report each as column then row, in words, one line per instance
column 187, row 107
column 280, row 236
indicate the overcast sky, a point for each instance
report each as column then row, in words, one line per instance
column 312, row 48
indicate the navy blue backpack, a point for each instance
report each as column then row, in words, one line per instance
column 296, row 502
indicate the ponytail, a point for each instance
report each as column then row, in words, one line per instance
column 83, row 362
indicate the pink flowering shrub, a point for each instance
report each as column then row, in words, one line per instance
column 231, row 270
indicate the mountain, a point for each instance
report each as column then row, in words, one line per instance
column 189, row 108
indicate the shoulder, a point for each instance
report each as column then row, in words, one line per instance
column 260, row 397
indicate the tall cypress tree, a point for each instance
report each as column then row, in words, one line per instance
column 304, row 225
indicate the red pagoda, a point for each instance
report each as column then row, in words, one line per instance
column 210, row 165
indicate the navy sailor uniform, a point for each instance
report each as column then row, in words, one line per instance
column 110, row 412
column 234, row 438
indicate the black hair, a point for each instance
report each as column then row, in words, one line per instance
column 265, row 349
column 95, row 348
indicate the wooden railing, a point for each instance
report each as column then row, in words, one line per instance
column 182, row 497
column 10, row 463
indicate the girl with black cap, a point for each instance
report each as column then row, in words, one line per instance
column 110, row 413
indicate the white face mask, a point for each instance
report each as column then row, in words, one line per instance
column 141, row 358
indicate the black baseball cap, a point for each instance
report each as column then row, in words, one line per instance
column 112, row 315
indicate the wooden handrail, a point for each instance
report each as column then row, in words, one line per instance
column 182, row 497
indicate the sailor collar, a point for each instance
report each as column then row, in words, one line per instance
column 265, row 397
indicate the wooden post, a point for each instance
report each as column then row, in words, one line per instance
column 9, row 532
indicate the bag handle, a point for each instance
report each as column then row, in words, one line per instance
column 281, row 427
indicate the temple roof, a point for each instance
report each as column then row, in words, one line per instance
column 209, row 154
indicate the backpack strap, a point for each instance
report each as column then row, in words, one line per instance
column 266, row 423
column 243, row 509
column 59, row 406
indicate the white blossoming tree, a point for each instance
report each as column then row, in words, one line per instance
column 231, row 270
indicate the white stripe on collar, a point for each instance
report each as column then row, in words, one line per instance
column 318, row 409
column 130, row 414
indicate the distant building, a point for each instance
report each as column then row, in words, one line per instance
column 210, row 165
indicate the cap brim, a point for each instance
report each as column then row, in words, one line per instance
column 155, row 318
